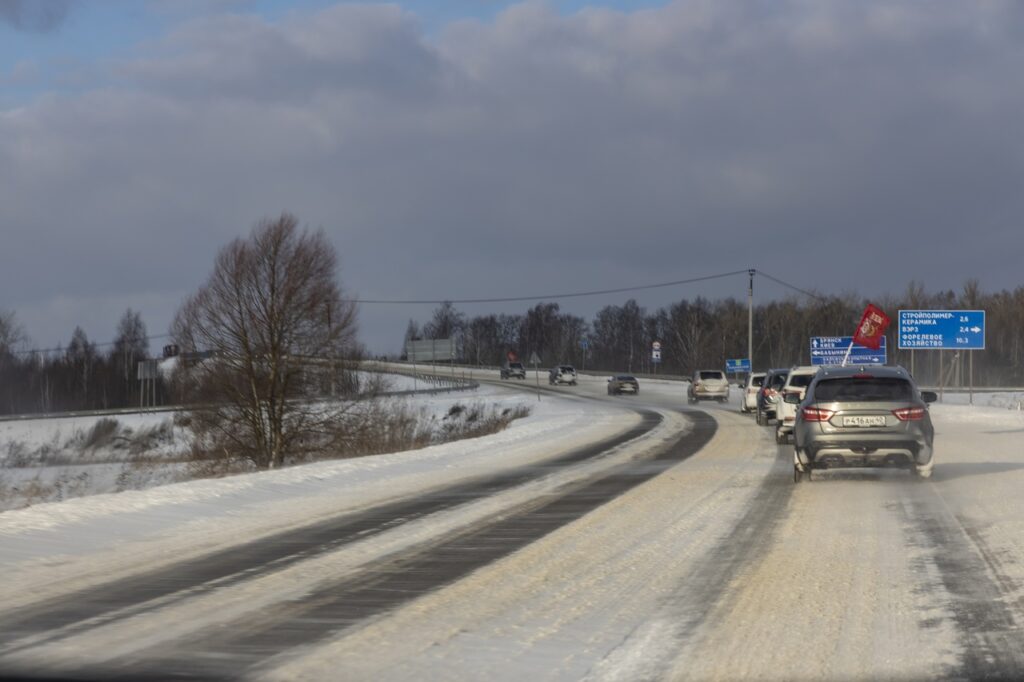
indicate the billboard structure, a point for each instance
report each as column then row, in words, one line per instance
column 430, row 350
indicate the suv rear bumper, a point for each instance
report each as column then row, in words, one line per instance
column 709, row 395
column 881, row 450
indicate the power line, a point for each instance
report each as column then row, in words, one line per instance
column 577, row 294
column 507, row 299
column 787, row 284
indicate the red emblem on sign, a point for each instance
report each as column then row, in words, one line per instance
column 873, row 324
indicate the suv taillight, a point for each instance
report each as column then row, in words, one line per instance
column 909, row 414
column 816, row 414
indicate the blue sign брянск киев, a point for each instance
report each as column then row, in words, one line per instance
column 738, row 365
column 830, row 350
column 941, row 329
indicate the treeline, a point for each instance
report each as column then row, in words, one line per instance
column 79, row 376
column 703, row 333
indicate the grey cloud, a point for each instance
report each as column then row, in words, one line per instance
column 39, row 16
column 839, row 145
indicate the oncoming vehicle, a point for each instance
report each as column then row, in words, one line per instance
column 863, row 417
column 562, row 374
column 769, row 394
column 623, row 383
column 797, row 381
column 513, row 370
column 751, row 387
column 708, row 384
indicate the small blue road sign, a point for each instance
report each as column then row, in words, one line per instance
column 942, row 329
column 830, row 350
column 736, row 366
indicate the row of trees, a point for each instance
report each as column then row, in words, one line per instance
column 80, row 376
column 703, row 333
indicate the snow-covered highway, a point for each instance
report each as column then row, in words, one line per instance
column 600, row 538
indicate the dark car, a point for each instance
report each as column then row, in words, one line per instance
column 513, row 370
column 863, row 417
column 769, row 393
column 623, row 383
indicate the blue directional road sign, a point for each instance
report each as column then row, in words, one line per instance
column 942, row 329
column 830, row 350
column 741, row 365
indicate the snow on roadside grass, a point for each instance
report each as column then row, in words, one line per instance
column 50, row 460
column 546, row 417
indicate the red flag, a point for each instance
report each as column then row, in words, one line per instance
column 873, row 324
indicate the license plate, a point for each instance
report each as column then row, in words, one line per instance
column 864, row 421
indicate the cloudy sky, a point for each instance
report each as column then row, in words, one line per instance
column 474, row 148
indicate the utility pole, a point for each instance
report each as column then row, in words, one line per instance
column 750, row 320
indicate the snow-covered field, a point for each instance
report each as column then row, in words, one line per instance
column 718, row 568
column 55, row 459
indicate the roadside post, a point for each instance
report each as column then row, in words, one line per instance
column 584, row 344
column 535, row 360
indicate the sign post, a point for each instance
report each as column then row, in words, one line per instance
column 656, row 355
column 535, row 360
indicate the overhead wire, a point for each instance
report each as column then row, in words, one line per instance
column 546, row 297
column 503, row 299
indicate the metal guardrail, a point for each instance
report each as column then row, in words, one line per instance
column 437, row 384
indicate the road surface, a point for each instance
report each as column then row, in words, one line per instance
column 674, row 546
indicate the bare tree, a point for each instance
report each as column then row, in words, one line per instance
column 273, row 316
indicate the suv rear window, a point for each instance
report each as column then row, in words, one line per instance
column 710, row 375
column 852, row 389
column 756, row 381
column 778, row 380
column 801, row 380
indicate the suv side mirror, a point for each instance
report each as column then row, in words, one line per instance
column 791, row 398
column 929, row 396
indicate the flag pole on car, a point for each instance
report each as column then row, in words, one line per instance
column 870, row 330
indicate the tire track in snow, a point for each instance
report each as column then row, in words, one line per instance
column 981, row 596
column 68, row 614
column 231, row 649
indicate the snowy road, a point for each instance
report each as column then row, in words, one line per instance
column 604, row 539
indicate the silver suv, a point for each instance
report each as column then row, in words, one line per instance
column 863, row 417
column 708, row 384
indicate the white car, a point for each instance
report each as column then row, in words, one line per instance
column 708, row 384
column 562, row 374
column 750, row 388
column 785, row 412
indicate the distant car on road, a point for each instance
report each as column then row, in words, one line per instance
column 513, row 370
column 797, row 381
column 708, row 384
column 623, row 383
column 562, row 374
column 768, row 395
column 748, row 403
column 863, row 417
